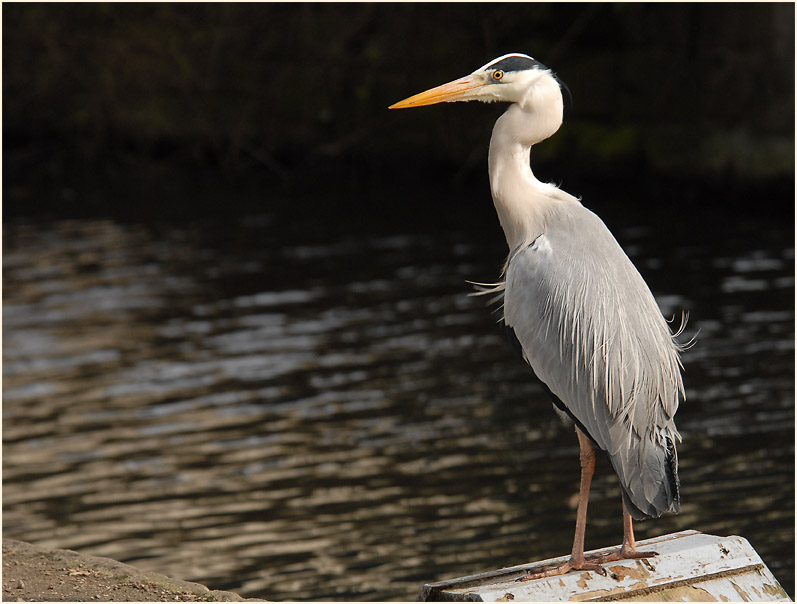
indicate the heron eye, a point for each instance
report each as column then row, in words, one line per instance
column 498, row 74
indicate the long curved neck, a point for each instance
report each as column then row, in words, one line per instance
column 521, row 201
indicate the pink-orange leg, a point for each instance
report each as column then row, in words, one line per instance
column 577, row 560
column 628, row 549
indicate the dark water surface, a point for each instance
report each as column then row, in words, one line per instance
column 330, row 416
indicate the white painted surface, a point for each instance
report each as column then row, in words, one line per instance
column 690, row 566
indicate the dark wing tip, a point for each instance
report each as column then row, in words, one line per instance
column 668, row 498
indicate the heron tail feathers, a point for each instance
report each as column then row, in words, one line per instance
column 651, row 487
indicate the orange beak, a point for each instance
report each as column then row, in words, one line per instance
column 458, row 90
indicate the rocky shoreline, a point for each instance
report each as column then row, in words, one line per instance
column 31, row 573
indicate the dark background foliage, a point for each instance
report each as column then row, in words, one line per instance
column 160, row 103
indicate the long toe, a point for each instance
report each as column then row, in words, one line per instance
column 620, row 553
column 563, row 569
column 548, row 572
column 634, row 554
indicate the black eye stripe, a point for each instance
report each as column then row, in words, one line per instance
column 516, row 64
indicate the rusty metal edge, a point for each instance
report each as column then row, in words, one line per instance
column 644, row 591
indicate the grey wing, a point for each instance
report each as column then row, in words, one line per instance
column 592, row 332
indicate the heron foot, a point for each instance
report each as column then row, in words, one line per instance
column 562, row 569
column 592, row 562
column 622, row 553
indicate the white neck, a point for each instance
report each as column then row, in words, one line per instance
column 522, row 201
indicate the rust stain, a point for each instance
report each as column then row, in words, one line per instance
column 684, row 593
column 616, row 593
column 678, row 590
column 639, row 573
column 592, row 595
column 774, row 590
column 742, row 594
column 696, row 594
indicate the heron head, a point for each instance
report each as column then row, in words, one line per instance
column 512, row 78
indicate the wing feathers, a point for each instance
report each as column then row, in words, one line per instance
column 591, row 330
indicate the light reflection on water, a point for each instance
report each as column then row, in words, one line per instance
column 330, row 419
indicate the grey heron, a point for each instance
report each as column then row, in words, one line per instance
column 576, row 309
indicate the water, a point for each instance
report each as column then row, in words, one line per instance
column 301, row 414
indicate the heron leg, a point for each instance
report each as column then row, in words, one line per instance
column 628, row 550
column 577, row 560
column 587, row 459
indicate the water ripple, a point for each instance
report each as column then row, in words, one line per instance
column 335, row 418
